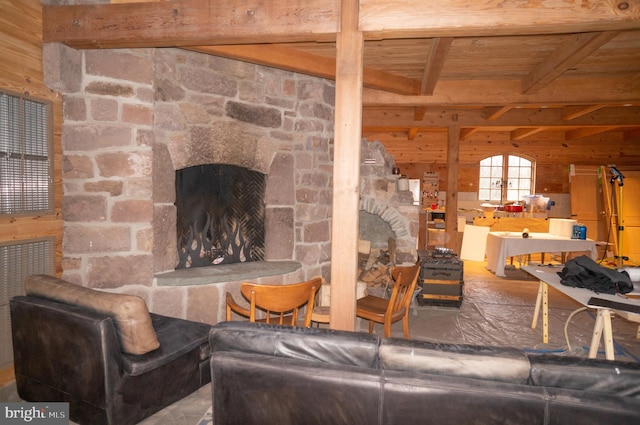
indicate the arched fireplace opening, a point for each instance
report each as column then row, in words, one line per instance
column 220, row 215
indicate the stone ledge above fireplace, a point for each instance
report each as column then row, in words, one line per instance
column 226, row 273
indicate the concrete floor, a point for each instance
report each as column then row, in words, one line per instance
column 495, row 311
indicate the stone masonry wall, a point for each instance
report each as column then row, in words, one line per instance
column 107, row 169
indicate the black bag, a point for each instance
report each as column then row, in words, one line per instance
column 583, row 272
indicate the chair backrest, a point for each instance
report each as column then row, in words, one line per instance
column 405, row 280
column 281, row 300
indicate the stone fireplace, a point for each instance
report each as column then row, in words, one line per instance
column 386, row 211
column 132, row 118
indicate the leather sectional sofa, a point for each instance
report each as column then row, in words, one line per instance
column 266, row 374
column 104, row 353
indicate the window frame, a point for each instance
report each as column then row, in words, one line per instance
column 504, row 178
column 44, row 132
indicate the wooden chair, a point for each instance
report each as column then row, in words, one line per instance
column 280, row 303
column 380, row 310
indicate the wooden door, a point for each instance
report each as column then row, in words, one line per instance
column 587, row 205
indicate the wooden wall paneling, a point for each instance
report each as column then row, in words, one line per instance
column 550, row 147
column 551, row 178
column 21, row 73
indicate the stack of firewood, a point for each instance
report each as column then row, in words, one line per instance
column 376, row 270
column 377, row 276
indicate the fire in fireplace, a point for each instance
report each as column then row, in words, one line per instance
column 220, row 215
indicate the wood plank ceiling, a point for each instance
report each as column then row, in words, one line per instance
column 551, row 67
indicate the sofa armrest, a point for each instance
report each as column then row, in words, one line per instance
column 129, row 312
column 63, row 352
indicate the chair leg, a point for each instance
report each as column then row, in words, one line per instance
column 405, row 325
column 370, row 326
column 387, row 329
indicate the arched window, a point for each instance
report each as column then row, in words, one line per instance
column 506, row 178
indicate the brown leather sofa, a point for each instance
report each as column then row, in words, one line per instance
column 104, row 353
column 267, row 374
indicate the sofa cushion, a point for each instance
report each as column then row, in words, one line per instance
column 318, row 345
column 129, row 312
column 469, row 361
column 591, row 375
column 439, row 399
column 177, row 337
column 258, row 389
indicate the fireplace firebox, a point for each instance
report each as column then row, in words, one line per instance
column 220, row 215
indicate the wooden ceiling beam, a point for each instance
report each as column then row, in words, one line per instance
column 404, row 118
column 465, row 133
column 435, row 62
column 523, row 133
column 575, row 48
column 568, row 91
column 181, row 23
column 290, row 59
column 418, row 113
column 495, row 113
column 417, row 18
column 586, row 131
column 276, row 56
column 573, row 112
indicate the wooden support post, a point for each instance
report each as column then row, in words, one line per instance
column 451, row 217
column 346, row 169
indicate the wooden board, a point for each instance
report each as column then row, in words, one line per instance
column 512, row 224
